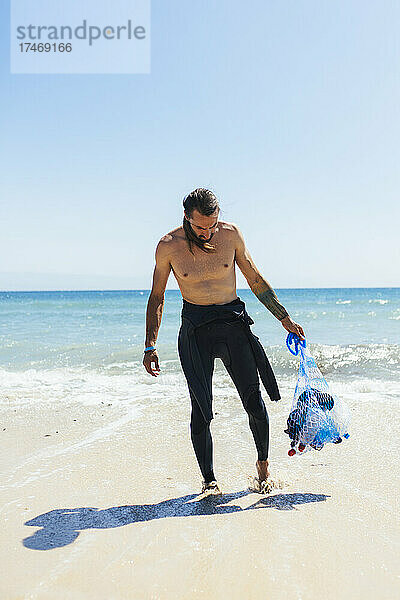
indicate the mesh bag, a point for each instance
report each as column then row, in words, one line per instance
column 317, row 416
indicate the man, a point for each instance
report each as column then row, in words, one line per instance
column 203, row 254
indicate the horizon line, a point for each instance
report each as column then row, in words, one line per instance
column 178, row 290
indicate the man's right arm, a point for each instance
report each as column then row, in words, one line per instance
column 155, row 304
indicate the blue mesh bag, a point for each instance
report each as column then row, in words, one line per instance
column 317, row 416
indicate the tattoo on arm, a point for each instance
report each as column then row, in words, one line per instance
column 267, row 296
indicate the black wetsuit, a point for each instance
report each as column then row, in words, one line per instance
column 223, row 331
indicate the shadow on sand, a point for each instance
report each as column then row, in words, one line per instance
column 61, row 526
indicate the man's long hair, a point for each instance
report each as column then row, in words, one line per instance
column 206, row 203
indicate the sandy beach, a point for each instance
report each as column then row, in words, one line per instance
column 102, row 502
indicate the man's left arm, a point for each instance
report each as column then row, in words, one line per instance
column 261, row 288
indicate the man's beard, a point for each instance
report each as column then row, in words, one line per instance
column 201, row 238
column 193, row 238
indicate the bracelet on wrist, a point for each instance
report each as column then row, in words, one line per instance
column 149, row 348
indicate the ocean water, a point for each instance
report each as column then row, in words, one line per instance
column 87, row 346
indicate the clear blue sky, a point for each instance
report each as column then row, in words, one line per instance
column 289, row 111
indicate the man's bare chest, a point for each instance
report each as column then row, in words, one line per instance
column 202, row 265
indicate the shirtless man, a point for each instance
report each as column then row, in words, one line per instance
column 203, row 254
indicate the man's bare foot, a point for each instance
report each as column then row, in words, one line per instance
column 262, row 470
column 263, row 482
column 211, row 489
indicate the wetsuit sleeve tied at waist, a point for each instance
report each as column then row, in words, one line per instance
column 263, row 365
column 193, row 368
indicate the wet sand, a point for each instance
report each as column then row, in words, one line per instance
column 108, row 508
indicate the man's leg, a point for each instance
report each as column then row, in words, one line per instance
column 202, row 442
column 199, row 428
column 258, row 422
column 241, row 365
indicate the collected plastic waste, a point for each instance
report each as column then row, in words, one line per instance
column 317, row 416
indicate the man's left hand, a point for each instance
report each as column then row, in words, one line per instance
column 293, row 327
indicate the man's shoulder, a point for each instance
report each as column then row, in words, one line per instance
column 172, row 236
column 230, row 230
column 170, row 240
column 229, row 227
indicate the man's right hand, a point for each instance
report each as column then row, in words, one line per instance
column 149, row 359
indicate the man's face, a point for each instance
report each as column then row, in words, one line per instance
column 204, row 227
